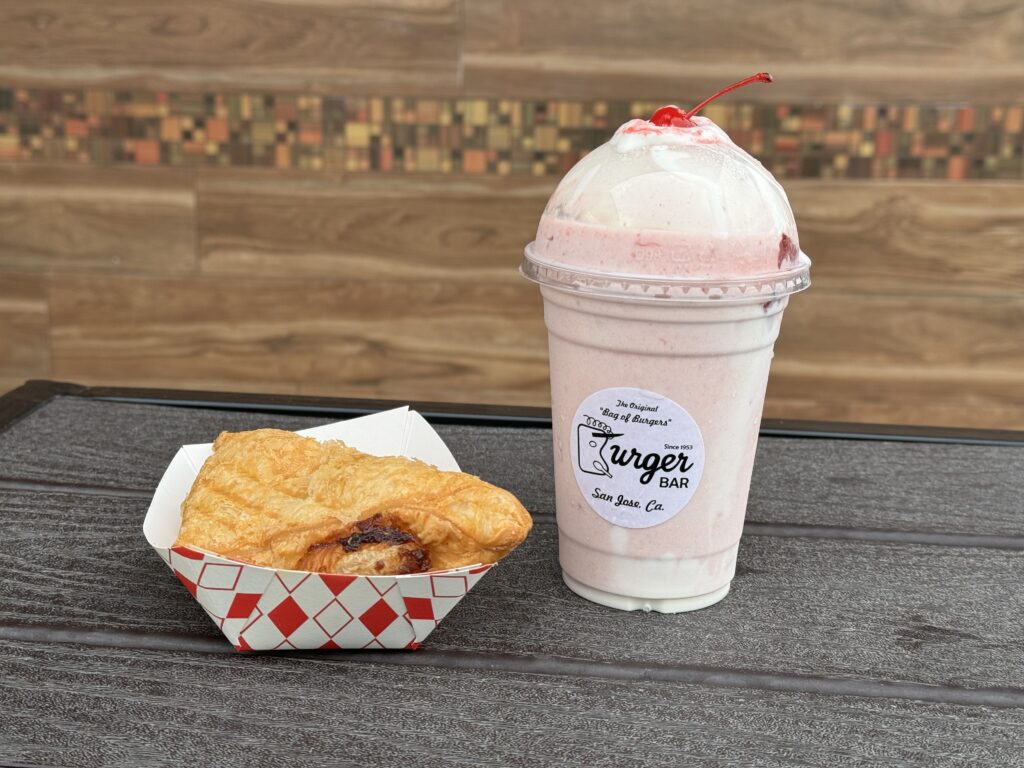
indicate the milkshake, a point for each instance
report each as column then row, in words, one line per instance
column 665, row 259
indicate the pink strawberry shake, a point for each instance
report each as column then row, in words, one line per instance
column 665, row 259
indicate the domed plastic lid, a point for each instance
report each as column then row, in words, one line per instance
column 669, row 212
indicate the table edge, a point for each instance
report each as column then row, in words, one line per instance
column 34, row 393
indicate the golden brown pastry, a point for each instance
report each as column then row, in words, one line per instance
column 276, row 499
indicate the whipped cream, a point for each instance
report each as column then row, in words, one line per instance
column 640, row 134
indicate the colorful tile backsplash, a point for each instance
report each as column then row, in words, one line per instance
column 488, row 136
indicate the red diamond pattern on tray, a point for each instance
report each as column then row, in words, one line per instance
column 242, row 606
column 381, row 585
column 359, row 597
column 292, row 580
column 219, row 576
column 263, row 609
column 188, row 584
column 255, row 616
column 187, row 566
column 312, row 596
column 309, row 635
column 379, row 617
column 191, row 554
column 355, row 635
column 262, row 634
column 333, row 618
column 448, row 586
column 336, row 582
column 232, row 628
column 419, row 608
column 288, row 616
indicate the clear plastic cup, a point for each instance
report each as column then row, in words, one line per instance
column 665, row 259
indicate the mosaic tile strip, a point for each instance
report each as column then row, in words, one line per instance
column 488, row 136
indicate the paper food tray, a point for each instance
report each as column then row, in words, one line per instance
column 273, row 609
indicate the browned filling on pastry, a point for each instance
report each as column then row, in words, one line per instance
column 374, row 546
column 371, row 531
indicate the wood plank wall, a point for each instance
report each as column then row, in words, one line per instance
column 404, row 286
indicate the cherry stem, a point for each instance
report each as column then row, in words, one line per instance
column 760, row 77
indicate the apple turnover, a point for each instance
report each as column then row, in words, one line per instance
column 273, row 498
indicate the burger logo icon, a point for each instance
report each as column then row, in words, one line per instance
column 591, row 439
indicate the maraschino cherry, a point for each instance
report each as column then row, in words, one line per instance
column 673, row 116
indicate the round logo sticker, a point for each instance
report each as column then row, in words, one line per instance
column 638, row 456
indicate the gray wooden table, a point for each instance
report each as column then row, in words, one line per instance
column 875, row 619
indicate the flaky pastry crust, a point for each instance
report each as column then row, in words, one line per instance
column 276, row 499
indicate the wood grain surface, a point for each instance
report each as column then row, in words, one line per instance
column 383, row 227
column 881, row 611
column 24, row 327
column 484, row 341
column 936, row 338
column 899, row 237
column 911, row 238
column 876, row 397
column 406, row 287
column 828, row 651
column 436, row 338
column 889, row 611
column 931, row 358
column 78, row 706
column 917, row 285
column 396, row 46
column 10, row 383
column 104, row 220
column 877, row 484
column 819, row 51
